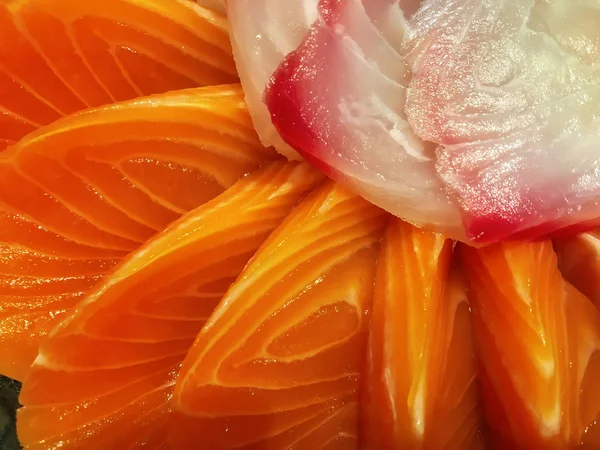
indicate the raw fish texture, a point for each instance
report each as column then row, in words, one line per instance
column 103, row 379
column 62, row 56
column 79, row 195
column 538, row 342
column 338, row 99
column 478, row 119
column 510, row 90
column 263, row 32
column 278, row 365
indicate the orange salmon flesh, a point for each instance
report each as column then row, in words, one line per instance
column 167, row 282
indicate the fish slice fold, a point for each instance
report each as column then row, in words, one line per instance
column 338, row 99
column 79, row 195
column 262, row 33
column 421, row 390
column 104, row 377
column 57, row 58
column 278, row 365
column 509, row 90
column 478, row 119
column 538, row 346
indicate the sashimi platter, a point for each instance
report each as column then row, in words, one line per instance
column 300, row 224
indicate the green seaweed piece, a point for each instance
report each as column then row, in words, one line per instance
column 9, row 403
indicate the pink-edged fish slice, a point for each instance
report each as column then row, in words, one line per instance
column 339, row 101
column 509, row 91
column 262, row 33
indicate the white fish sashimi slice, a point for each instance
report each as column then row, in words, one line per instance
column 263, row 32
column 339, row 101
column 511, row 90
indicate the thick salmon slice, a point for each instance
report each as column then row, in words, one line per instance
column 579, row 262
column 538, row 340
column 421, row 391
column 58, row 57
column 103, row 377
column 80, row 194
column 278, row 364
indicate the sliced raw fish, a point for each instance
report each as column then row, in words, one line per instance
column 104, row 377
column 79, row 195
column 421, row 389
column 510, row 90
column 278, row 365
column 476, row 118
column 262, row 33
column 338, row 99
column 59, row 57
column 538, row 345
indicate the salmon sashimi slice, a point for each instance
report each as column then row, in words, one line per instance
column 278, row 364
column 579, row 262
column 80, row 194
column 538, row 340
column 107, row 371
column 58, row 57
column 421, row 392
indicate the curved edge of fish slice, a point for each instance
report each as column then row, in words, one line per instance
column 114, row 359
column 148, row 107
column 579, row 262
column 82, row 193
column 421, row 389
column 281, row 356
column 537, row 340
column 75, row 55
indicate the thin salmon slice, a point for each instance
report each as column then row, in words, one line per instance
column 80, row 194
column 103, row 377
column 579, row 262
column 278, row 365
column 421, row 390
column 58, row 57
column 537, row 339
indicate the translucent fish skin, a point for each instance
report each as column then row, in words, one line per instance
column 79, row 195
column 279, row 363
column 104, row 377
column 262, row 33
column 510, row 91
column 59, row 57
column 338, row 99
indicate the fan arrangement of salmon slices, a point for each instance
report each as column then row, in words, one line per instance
column 174, row 276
